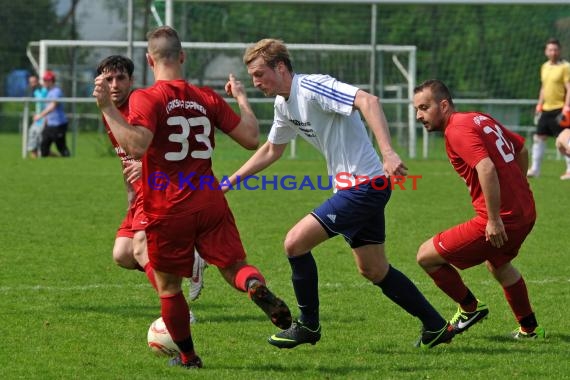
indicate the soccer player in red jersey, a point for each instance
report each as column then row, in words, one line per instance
column 130, row 244
column 130, row 250
column 493, row 162
column 171, row 126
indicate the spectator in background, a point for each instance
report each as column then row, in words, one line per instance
column 36, row 90
column 56, row 121
column 553, row 99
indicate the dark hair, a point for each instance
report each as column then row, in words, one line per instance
column 552, row 41
column 438, row 89
column 271, row 50
column 118, row 63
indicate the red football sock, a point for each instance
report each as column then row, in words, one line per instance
column 176, row 316
column 517, row 297
column 246, row 273
column 150, row 275
column 448, row 280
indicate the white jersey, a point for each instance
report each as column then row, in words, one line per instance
column 321, row 110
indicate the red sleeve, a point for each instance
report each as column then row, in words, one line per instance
column 144, row 109
column 467, row 143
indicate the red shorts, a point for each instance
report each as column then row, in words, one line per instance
column 134, row 221
column 464, row 245
column 212, row 231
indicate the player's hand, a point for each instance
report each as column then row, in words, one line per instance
column 234, row 87
column 225, row 187
column 102, row 92
column 132, row 171
column 495, row 233
column 565, row 109
column 393, row 165
column 538, row 108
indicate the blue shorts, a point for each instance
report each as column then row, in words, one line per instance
column 357, row 213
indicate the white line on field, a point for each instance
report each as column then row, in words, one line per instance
column 360, row 284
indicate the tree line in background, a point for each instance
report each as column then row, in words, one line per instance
column 485, row 51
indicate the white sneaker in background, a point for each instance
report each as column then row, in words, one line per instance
column 192, row 318
column 565, row 176
column 197, row 279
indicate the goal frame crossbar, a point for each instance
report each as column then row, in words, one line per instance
column 408, row 72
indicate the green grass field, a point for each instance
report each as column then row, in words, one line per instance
column 68, row 312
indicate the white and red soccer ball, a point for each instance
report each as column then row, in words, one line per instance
column 160, row 341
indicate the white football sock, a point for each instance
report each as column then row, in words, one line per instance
column 567, row 164
column 538, row 147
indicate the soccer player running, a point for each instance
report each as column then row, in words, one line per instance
column 493, row 161
column 325, row 112
column 171, row 126
column 130, row 250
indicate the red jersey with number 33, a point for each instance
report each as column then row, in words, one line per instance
column 177, row 166
column 471, row 137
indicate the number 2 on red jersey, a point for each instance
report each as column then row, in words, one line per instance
column 505, row 147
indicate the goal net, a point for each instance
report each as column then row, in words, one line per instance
column 385, row 70
column 488, row 52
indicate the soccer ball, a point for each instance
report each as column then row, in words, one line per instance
column 160, row 341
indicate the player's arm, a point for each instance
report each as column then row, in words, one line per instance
column 247, row 131
column 261, row 159
column 372, row 112
column 133, row 139
column 521, row 158
column 566, row 107
column 130, row 192
column 49, row 108
column 540, row 100
column 489, row 180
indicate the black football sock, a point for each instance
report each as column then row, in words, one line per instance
column 305, row 283
column 397, row 287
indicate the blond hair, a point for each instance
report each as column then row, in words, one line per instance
column 271, row 50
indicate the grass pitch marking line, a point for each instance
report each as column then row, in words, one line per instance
column 75, row 288
column 329, row 285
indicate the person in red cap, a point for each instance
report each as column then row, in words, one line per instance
column 56, row 121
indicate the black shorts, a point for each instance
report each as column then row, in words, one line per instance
column 548, row 125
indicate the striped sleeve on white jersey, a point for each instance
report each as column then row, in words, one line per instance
column 331, row 94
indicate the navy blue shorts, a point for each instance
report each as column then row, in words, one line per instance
column 357, row 213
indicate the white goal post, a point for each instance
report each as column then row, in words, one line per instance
column 40, row 55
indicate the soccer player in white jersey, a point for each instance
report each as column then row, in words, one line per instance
column 325, row 112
